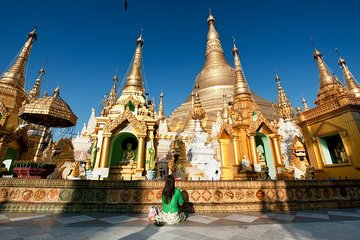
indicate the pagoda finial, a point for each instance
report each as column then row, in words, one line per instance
column 286, row 111
column 351, row 84
column 161, row 114
column 134, row 81
column 329, row 86
column 211, row 19
column 35, row 91
column 304, row 102
column 312, row 41
column 140, row 40
column 56, row 92
column 16, row 74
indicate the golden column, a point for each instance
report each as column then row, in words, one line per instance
column 226, row 170
column 276, row 145
column 141, row 154
column 254, row 157
column 104, row 157
column 235, row 142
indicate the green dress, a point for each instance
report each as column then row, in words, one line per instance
column 170, row 211
column 173, row 205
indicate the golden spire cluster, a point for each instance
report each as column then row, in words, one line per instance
column 134, row 82
column 329, row 86
column 286, row 111
column 351, row 85
column 15, row 76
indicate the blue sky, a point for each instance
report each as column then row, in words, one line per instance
column 84, row 41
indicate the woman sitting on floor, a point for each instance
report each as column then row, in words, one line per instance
column 171, row 199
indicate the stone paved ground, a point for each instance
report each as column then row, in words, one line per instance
column 308, row 224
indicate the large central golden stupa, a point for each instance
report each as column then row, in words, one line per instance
column 215, row 79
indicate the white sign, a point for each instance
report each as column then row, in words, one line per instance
column 100, row 173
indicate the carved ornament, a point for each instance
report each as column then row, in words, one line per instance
column 125, row 101
column 4, row 113
column 227, row 128
column 139, row 126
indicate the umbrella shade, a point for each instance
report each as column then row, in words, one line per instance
column 48, row 111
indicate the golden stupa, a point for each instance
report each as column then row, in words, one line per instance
column 215, row 79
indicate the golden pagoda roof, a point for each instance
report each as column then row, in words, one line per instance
column 50, row 111
column 15, row 76
column 215, row 79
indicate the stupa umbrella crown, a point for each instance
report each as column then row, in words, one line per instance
column 49, row 111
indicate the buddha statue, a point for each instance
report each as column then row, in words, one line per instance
column 129, row 154
column 245, row 163
column 340, row 153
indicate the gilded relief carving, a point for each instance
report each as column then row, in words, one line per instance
column 112, row 124
column 125, row 195
column 232, row 195
column 125, row 101
column 4, row 113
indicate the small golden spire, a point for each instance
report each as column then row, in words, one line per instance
column 241, row 88
column 56, row 92
column 286, row 111
column 113, row 95
column 35, row 91
column 351, row 83
column 134, row 82
column 306, row 107
column 197, row 112
column 329, row 86
column 161, row 114
column 16, row 74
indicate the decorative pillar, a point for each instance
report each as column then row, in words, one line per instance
column 141, row 154
column 236, row 150
column 38, row 154
column 254, row 156
column 104, row 157
column 277, row 151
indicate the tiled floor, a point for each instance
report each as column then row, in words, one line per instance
column 324, row 224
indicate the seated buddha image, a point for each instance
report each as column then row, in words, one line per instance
column 340, row 153
column 129, row 155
